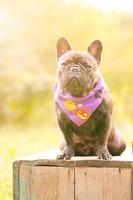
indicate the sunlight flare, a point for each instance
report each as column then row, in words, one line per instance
column 119, row 5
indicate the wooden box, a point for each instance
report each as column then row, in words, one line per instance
column 42, row 177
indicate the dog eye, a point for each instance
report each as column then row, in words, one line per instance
column 89, row 66
column 63, row 64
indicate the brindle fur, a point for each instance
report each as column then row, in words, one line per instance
column 98, row 136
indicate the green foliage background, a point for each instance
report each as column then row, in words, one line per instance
column 28, row 33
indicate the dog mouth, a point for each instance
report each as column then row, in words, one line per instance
column 75, row 80
column 76, row 87
column 74, row 83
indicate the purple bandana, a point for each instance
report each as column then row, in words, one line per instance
column 79, row 109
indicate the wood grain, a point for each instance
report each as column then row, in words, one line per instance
column 131, row 184
column 103, row 184
column 89, row 162
column 43, row 177
column 24, row 183
column 52, row 183
column 117, row 184
column 48, row 158
column 88, row 184
column 16, row 180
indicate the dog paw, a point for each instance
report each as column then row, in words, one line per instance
column 66, row 154
column 61, row 156
column 103, row 153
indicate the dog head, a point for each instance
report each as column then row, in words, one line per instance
column 78, row 71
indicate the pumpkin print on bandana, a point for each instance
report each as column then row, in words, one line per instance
column 82, row 113
column 70, row 105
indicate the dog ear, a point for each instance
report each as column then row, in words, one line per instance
column 95, row 49
column 62, row 46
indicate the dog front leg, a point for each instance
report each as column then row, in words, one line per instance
column 68, row 150
column 102, row 149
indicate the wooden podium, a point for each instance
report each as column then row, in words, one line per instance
column 43, row 177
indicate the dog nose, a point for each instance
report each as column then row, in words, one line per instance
column 75, row 69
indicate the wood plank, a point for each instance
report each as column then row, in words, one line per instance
column 66, row 183
column 81, row 178
column 24, row 183
column 79, row 162
column 48, row 158
column 131, row 184
column 52, row 183
column 127, row 155
column 117, row 184
column 103, row 184
column 16, row 180
column 88, row 184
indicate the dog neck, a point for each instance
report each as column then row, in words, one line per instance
column 79, row 109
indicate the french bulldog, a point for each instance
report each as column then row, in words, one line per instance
column 84, row 104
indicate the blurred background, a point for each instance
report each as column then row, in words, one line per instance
column 28, row 33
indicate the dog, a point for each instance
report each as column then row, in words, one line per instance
column 83, row 104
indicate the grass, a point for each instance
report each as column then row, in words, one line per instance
column 20, row 142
